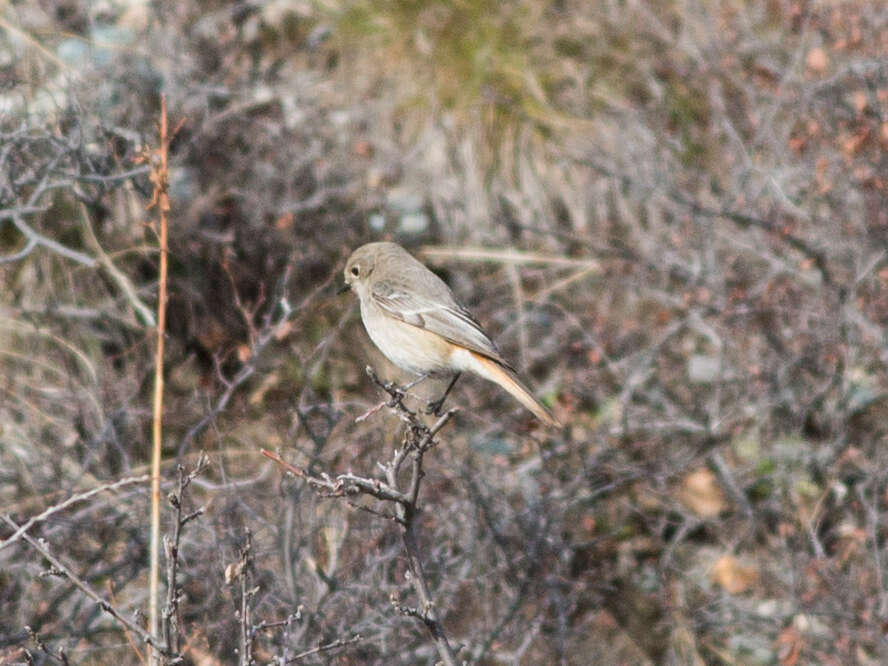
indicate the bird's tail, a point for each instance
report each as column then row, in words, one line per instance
column 509, row 380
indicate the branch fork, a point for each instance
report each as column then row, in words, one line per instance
column 419, row 438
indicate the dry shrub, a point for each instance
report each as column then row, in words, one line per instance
column 691, row 198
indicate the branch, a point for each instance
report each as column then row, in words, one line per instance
column 35, row 239
column 74, row 499
column 170, row 616
column 274, row 323
column 21, row 254
column 418, row 439
column 325, row 648
column 126, row 285
column 240, row 571
column 343, row 485
column 84, row 587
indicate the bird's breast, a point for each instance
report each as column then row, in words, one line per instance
column 409, row 347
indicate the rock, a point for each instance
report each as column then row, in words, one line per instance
column 108, row 42
column 753, row 650
column 376, row 221
column 413, row 223
column 73, row 52
column 703, row 369
column 403, row 199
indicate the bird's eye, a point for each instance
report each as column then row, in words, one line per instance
column 355, row 271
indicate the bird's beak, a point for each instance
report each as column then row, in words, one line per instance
column 344, row 288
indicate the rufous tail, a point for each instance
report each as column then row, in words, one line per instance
column 509, row 380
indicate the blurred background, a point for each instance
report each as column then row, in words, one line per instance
column 671, row 215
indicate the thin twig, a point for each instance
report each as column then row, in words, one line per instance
column 275, row 321
column 84, row 587
column 245, row 614
column 60, row 657
column 171, row 550
column 35, row 238
column 343, row 485
column 74, row 499
column 418, row 439
column 325, row 648
column 126, row 285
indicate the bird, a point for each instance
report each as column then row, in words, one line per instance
column 414, row 319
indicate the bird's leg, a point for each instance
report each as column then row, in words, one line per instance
column 409, row 386
column 401, row 391
column 434, row 406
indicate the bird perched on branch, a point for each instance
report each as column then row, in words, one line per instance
column 414, row 319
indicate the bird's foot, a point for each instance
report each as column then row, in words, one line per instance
column 396, row 392
column 434, row 406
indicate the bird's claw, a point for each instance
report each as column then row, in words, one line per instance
column 434, row 407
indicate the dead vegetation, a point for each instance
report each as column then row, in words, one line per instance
column 671, row 215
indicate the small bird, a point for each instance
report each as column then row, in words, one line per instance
column 413, row 318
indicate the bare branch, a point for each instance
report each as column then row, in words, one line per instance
column 121, row 279
column 325, row 648
column 418, row 439
column 74, row 499
column 84, row 587
column 35, row 238
column 170, row 616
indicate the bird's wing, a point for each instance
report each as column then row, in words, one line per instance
column 439, row 315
